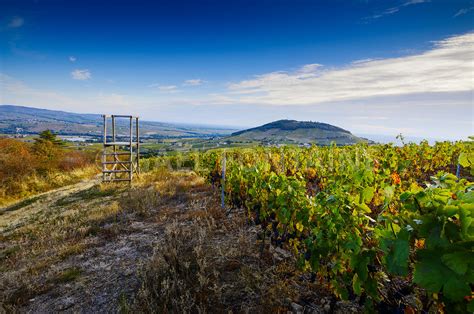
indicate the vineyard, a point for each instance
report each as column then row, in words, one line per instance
column 361, row 217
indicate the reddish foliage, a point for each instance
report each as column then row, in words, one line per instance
column 395, row 178
column 19, row 159
column 74, row 159
column 48, row 154
column 16, row 159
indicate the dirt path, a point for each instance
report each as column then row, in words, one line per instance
column 108, row 272
column 80, row 248
column 20, row 213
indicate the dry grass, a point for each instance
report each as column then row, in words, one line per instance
column 206, row 260
column 162, row 188
column 56, row 232
column 35, row 184
column 69, row 225
column 179, row 279
column 210, row 262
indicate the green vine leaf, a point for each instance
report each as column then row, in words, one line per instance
column 397, row 257
column 368, row 194
column 456, row 289
column 458, row 261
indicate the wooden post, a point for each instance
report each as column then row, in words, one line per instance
column 115, row 157
column 138, row 146
column 223, row 182
column 113, row 128
column 131, row 150
column 282, row 161
column 104, row 156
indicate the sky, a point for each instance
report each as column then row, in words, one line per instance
column 374, row 67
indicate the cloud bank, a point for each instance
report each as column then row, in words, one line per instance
column 447, row 67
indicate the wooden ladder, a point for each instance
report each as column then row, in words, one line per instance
column 120, row 159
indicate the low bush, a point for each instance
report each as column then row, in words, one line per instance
column 27, row 168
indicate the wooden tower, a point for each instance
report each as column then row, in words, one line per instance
column 121, row 154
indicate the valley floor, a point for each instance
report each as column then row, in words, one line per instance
column 163, row 245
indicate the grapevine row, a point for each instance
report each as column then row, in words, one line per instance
column 360, row 215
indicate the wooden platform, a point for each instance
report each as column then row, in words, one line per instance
column 121, row 144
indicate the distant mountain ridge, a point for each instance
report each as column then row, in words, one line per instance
column 46, row 114
column 296, row 132
column 34, row 120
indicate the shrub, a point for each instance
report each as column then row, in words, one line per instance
column 48, row 151
column 16, row 160
column 74, row 159
column 48, row 156
column 26, row 169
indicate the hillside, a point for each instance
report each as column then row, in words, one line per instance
column 34, row 120
column 296, row 132
column 295, row 221
column 108, row 248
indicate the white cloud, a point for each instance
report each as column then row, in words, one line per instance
column 388, row 11
column 16, row 92
column 425, row 94
column 362, row 60
column 415, row 2
column 395, row 9
column 164, row 88
column 81, row 75
column 72, row 59
column 447, row 67
column 193, row 82
column 432, row 115
column 463, row 11
column 16, row 22
column 167, row 88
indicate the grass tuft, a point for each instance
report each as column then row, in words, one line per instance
column 68, row 275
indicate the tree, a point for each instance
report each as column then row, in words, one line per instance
column 48, row 151
column 48, row 136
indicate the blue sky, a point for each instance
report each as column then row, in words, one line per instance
column 373, row 67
